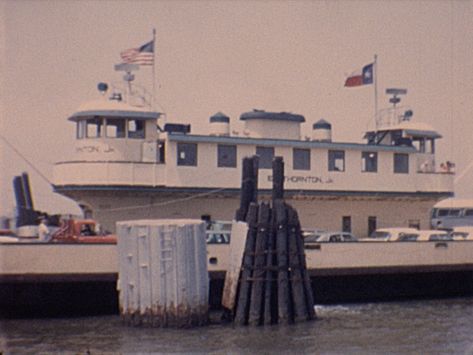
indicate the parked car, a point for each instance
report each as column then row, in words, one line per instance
column 425, row 235
column 462, row 233
column 322, row 237
column 218, row 232
column 221, row 237
column 388, row 234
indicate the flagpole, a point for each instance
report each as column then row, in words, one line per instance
column 154, row 69
column 376, row 90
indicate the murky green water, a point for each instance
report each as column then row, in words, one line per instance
column 416, row 327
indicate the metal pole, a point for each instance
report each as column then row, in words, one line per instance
column 154, row 65
column 375, row 73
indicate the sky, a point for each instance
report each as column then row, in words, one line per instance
column 230, row 56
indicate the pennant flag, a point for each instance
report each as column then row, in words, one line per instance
column 361, row 77
column 143, row 55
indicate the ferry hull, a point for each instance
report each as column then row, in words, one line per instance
column 63, row 279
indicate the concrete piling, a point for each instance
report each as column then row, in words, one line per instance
column 163, row 277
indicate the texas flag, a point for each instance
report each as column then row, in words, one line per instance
column 361, row 77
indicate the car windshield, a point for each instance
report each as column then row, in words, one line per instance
column 440, row 237
column 349, row 238
column 218, row 238
column 459, row 235
column 408, row 237
column 311, row 237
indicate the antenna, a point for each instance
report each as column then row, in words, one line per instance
column 395, row 99
column 128, row 69
column 395, row 92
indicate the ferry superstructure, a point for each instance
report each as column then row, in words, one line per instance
column 127, row 164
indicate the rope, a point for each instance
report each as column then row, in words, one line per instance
column 12, row 147
column 163, row 203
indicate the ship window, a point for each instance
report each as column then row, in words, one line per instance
column 372, row 224
column 115, row 128
column 414, row 223
column 401, row 163
column 187, row 154
column 346, row 224
column 161, row 152
column 81, row 129
column 136, row 129
column 301, row 159
column 336, row 160
column 94, row 127
column 266, row 155
column 226, row 156
column 369, row 162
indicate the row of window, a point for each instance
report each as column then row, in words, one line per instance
column 110, row 128
column 227, row 158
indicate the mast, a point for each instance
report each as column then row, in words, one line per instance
column 154, row 69
column 375, row 73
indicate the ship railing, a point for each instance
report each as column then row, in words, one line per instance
column 134, row 95
column 392, row 116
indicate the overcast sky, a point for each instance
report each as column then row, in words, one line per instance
column 231, row 56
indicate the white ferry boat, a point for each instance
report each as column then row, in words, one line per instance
column 127, row 164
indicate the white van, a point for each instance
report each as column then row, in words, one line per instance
column 452, row 212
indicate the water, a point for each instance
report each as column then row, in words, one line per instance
column 414, row 327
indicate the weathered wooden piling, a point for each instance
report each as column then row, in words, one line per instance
column 278, row 179
column 248, row 195
column 279, row 209
column 296, row 270
column 241, row 315
column 308, row 295
column 274, row 283
column 249, row 186
column 259, row 270
column 270, row 299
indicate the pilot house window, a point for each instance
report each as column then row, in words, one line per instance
column 90, row 128
column 401, row 163
column 369, row 162
column 136, row 129
column 336, row 160
column 187, row 154
column 115, row 128
column 226, row 156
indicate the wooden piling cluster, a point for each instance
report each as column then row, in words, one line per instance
column 274, row 285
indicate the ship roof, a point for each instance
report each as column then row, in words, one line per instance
column 113, row 108
column 274, row 116
column 285, row 142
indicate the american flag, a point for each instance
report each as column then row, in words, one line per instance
column 143, row 55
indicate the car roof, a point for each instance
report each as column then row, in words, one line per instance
column 431, row 231
column 464, row 229
column 396, row 229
